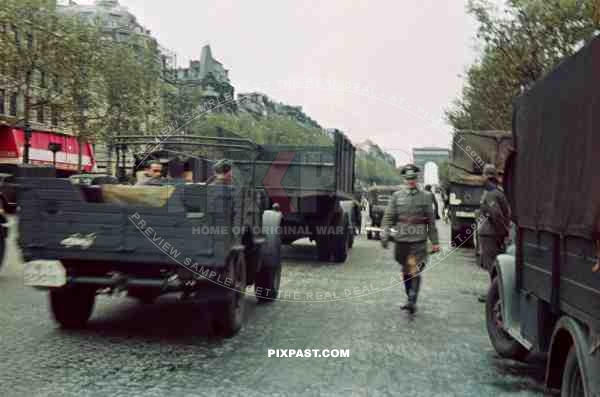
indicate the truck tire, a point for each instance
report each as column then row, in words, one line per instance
column 269, row 275
column 369, row 235
column 323, row 248
column 572, row 379
column 470, row 241
column 453, row 235
column 2, row 250
column 341, row 243
column 228, row 312
column 72, row 307
column 503, row 343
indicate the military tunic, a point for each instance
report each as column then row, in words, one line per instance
column 410, row 213
column 495, row 227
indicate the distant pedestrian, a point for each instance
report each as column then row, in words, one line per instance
column 434, row 200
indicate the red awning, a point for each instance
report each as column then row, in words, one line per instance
column 13, row 139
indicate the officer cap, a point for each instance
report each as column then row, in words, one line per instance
column 222, row 166
column 410, row 171
column 489, row 171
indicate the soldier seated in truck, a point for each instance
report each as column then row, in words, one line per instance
column 223, row 173
column 153, row 173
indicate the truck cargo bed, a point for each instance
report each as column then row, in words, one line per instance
column 62, row 221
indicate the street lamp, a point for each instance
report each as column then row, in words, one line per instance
column 27, row 145
column 54, row 147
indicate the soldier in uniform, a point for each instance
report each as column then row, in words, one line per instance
column 153, row 173
column 410, row 213
column 495, row 227
column 223, row 173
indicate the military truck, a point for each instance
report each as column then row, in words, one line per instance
column 378, row 199
column 471, row 150
column 204, row 242
column 545, row 293
column 313, row 187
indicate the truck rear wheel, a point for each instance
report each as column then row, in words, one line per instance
column 228, row 313
column 503, row 343
column 341, row 244
column 269, row 275
column 572, row 380
column 323, row 248
column 72, row 307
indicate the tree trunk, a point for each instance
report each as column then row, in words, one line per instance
column 109, row 155
column 80, row 154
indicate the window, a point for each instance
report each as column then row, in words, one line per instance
column 2, row 93
column 17, row 37
column 54, row 116
column 29, row 41
column 42, row 79
column 40, row 114
column 13, row 104
column 57, row 86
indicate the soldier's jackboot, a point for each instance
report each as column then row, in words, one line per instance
column 416, row 288
column 409, row 285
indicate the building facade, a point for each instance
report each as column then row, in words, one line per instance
column 206, row 79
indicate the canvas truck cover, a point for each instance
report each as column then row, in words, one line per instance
column 556, row 181
column 471, row 150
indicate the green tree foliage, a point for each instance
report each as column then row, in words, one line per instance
column 518, row 46
column 273, row 129
column 30, row 52
column 81, row 79
column 372, row 168
column 99, row 86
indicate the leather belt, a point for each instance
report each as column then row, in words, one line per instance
column 414, row 220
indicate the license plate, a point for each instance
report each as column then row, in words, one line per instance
column 461, row 214
column 45, row 273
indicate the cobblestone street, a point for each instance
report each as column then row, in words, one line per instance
column 131, row 349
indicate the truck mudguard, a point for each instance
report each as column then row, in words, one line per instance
column 569, row 332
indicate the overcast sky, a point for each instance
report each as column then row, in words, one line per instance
column 382, row 70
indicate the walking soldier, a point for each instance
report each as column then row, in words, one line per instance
column 408, row 221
